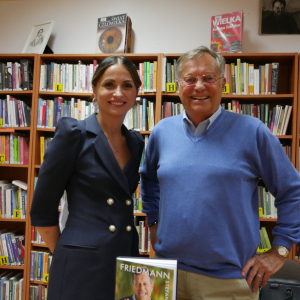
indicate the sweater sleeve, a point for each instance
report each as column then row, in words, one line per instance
column 283, row 181
column 149, row 183
column 55, row 172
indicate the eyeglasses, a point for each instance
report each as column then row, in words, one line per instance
column 192, row 80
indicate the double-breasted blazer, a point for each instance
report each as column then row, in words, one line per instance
column 100, row 224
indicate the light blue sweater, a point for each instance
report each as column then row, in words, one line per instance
column 203, row 191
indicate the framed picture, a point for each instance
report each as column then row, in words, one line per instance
column 279, row 17
column 38, row 38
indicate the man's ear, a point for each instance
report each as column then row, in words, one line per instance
column 223, row 82
column 177, row 85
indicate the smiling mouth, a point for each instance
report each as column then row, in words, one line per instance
column 117, row 103
column 200, row 98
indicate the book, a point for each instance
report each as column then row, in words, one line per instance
column 159, row 274
column 27, row 74
column 266, row 237
column 227, row 32
column 112, row 33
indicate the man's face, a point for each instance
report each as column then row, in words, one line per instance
column 40, row 32
column 142, row 287
column 202, row 99
column 278, row 8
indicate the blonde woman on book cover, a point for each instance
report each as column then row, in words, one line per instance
column 96, row 161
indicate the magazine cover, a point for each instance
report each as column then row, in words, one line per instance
column 227, row 32
column 145, row 278
column 112, row 34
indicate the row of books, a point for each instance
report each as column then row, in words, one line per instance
column 35, row 236
column 76, row 78
column 137, row 200
column 50, row 111
column 146, row 138
column 288, row 150
column 264, row 239
column 266, row 204
column 12, row 248
column 141, row 116
column 144, row 235
column 276, row 118
column 14, row 113
column 169, row 73
column 37, row 292
column 16, row 76
column 148, row 75
column 243, row 79
column 11, row 287
column 40, row 262
column 44, row 143
column 14, row 149
column 170, row 109
column 13, row 199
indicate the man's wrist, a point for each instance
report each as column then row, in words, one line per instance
column 281, row 250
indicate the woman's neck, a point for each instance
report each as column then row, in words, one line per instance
column 110, row 125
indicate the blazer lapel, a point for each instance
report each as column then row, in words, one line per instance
column 106, row 154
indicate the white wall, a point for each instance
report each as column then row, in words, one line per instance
column 159, row 26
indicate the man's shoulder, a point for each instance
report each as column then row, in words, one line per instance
column 168, row 123
column 241, row 120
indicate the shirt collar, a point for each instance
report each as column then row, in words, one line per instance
column 203, row 126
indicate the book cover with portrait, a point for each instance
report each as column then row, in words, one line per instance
column 113, row 34
column 145, row 278
column 227, row 32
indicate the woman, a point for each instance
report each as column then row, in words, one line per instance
column 96, row 161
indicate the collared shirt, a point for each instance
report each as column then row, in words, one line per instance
column 204, row 125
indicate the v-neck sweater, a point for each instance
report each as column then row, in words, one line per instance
column 203, row 192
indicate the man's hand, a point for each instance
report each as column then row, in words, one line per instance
column 153, row 236
column 262, row 267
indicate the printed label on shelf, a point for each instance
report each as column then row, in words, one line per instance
column 226, row 89
column 17, row 214
column 260, row 212
column 58, row 87
column 3, row 260
column 1, row 122
column 46, row 277
column 262, row 250
column 171, row 87
column 2, row 158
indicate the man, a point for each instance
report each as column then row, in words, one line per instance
column 199, row 189
column 278, row 21
column 142, row 284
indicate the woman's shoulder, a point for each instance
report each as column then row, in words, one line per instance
column 69, row 127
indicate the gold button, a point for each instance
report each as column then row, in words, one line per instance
column 128, row 202
column 110, row 201
column 128, row 228
column 112, row 228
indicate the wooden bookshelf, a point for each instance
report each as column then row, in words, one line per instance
column 17, row 171
column 289, row 79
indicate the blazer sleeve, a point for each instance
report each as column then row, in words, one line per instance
column 55, row 172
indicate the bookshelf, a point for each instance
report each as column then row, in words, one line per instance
column 19, row 171
column 288, row 81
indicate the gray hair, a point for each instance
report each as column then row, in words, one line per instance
column 197, row 52
column 140, row 271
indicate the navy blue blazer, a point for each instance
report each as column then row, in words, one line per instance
column 100, row 223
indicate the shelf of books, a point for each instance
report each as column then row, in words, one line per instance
column 263, row 85
column 18, row 75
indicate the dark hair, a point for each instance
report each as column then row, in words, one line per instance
column 280, row 1
column 114, row 60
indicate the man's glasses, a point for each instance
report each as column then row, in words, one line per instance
column 192, row 80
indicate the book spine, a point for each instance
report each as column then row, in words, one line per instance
column 274, row 80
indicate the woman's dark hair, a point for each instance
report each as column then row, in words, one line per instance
column 114, row 60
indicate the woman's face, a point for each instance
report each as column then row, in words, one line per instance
column 115, row 91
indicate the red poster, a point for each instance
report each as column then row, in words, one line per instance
column 227, row 32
